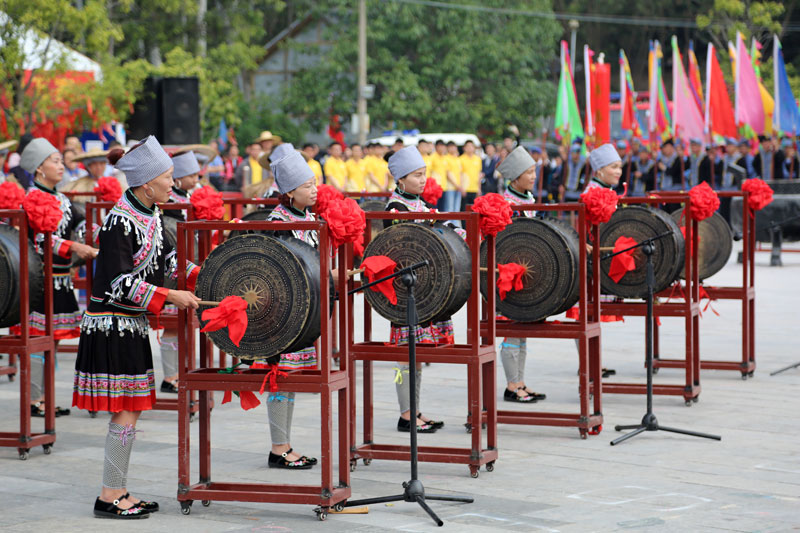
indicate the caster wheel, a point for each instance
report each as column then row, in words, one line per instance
column 186, row 508
column 23, row 455
column 206, row 503
column 688, row 403
column 751, row 373
column 696, row 399
column 353, row 465
column 322, row 513
column 11, row 377
column 490, row 467
column 655, row 370
column 191, row 418
column 596, row 430
column 468, row 427
column 367, row 462
column 339, row 507
column 583, row 434
column 47, row 449
column 474, row 473
column 744, row 377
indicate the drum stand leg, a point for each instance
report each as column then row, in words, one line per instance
column 413, row 491
column 649, row 421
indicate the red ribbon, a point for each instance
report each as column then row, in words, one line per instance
column 704, row 201
column 326, row 196
column 43, row 211
column 495, row 213
column 11, row 195
column 509, row 278
column 346, row 222
column 379, row 266
column 109, row 189
column 624, row 262
column 207, row 204
column 760, row 193
column 600, row 204
column 231, row 313
column 432, row 191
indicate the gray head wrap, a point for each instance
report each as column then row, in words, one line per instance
column 289, row 168
column 144, row 163
column 603, row 156
column 405, row 161
column 516, row 163
column 185, row 165
column 35, row 153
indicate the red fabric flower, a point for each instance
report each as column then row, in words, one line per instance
column 346, row 222
column 109, row 189
column 509, row 278
column 231, row 313
column 326, row 195
column 495, row 211
column 760, row 193
column 704, row 201
column 432, row 191
column 207, row 204
column 600, row 204
column 377, row 267
column 623, row 263
column 11, row 195
column 43, row 210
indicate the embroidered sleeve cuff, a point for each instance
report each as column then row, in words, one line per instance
column 157, row 300
column 61, row 247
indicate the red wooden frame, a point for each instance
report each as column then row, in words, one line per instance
column 746, row 293
column 25, row 344
column 478, row 354
column 586, row 330
column 325, row 380
column 688, row 308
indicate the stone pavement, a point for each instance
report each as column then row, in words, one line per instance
column 546, row 479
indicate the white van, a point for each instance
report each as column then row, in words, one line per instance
column 412, row 140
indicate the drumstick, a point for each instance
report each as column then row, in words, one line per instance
column 206, row 302
column 351, row 273
column 486, row 269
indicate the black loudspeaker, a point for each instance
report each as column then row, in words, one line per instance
column 180, row 111
column 146, row 117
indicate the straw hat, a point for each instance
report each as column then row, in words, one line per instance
column 198, row 149
column 265, row 136
column 92, row 156
column 7, row 145
column 84, row 184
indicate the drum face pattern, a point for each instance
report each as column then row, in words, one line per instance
column 442, row 287
column 715, row 246
column 279, row 278
column 641, row 223
column 9, row 276
column 549, row 251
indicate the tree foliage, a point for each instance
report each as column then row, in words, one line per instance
column 758, row 19
column 433, row 69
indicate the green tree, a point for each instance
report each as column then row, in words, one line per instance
column 750, row 17
column 434, row 69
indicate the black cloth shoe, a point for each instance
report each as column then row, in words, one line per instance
column 280, row 461
column 438, row 424
column 512, row 396
column 536, row 395
column 310, row 460
column 169, row 386
column 110, row 510
column 150, row 507
column 37, row 410
column 404, row 426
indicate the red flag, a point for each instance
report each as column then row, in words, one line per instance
column 719, row 110
column 601, row 101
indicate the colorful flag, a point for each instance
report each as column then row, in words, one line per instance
column 568, row 118
column 695, row 83
column 719, row 118
column 628, row 97
column 749, row 109
column 787, row 115
column 222, row 136
column 687, row 120
column 601, row 101
column 659, row 124
column 588, row 67
column 766, row 98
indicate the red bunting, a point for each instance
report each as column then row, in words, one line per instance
column 43, row 210
column 377, row 267
column 704, row 201
column 11, row 195
column 109, row 189
column 247, row 399
column 432, row 192
column 600, row 204
column 623, row 263
column 760, row 193
column 495, row 213
column 271, row 377
column 207, row 204
column 231, row 313
column 346, row 222
column 326, row 196
column 509, row 278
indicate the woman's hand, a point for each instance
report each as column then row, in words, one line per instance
column 183, row 299
column 84, row 251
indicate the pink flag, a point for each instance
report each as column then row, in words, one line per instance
column 686, row 116
column 749, row 108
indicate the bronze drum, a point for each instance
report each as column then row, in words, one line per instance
column 549, row 250
column 442, row 287
column 9, row 276
column 715, row 246
column 279, row 278
column 641, row 223
column 259, row 215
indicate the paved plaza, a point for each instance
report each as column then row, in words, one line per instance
column 546, row 478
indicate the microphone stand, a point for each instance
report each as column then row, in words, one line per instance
column 649, row 421
column 413, row 490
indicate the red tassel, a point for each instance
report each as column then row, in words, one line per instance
column 227, row 397
column 248, row 400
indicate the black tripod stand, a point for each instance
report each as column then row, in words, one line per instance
column 413, row 491
column 649, row 421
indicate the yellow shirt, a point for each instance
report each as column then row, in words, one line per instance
column 356, row 175
column 255, row 171
column 454, row 166
column 316, row 168
column 471, row 169
column 336, row 172
column 427, row 158
column 438, row 169
column 378, row 167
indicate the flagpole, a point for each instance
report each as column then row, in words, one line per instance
column 708, row 127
